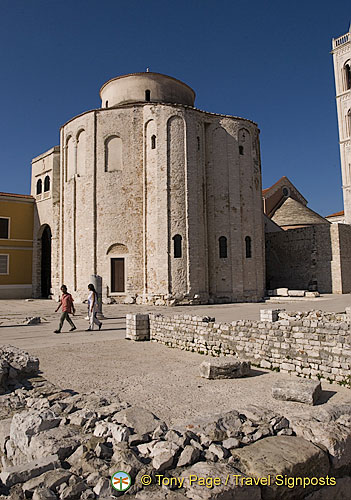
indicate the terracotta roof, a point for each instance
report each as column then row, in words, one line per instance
column 294, row 213
column 264, row 191
column 337, row 214
column 28, row 196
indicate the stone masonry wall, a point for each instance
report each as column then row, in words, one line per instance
column 314, row 346
column 315, row 257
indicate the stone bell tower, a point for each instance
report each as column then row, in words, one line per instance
column 342, row 71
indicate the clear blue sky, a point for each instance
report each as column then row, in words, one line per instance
column 268, row 61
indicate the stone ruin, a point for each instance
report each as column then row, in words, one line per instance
column 58, row 444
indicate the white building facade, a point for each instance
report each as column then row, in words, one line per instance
column 160, row 199
column 342, row 70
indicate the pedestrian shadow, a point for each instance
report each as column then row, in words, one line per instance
column 256, row 373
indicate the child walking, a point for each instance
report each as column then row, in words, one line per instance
column 67, row 305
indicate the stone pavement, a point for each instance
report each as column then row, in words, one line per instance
column 164, row 380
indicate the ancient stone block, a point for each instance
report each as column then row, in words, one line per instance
column 300, row 390
column 296, row 293
column 224, row 367
column 21, row 473
column 282, row 455
column 197, row 490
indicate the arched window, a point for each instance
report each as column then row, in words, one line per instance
column 153, row 142
column 106, row 104
column 348, row 123
column 39, row 186
column 241, row 150
column 198, row 143
column 177, row 246
column 47, row 183
column 347, row 70
column 81, row 149
column 113, row 154
column 147, row 95
column 248, row 252
column 222, row 247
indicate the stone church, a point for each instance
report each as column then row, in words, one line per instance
column 160, row 199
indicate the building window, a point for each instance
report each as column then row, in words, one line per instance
column 106, row 104
column 348, row 123
column 241, row 150
column 248, row 252
column 222, row 247
column 177, row 246
column 153, row 142
column 39, row 186
column 4, row 227
column 4, row 264
column 147, row 95
column 47, row 183
column 347, row 69
column 198, row 143
column 286, row 191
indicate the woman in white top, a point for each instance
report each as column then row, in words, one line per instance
column 93, row 308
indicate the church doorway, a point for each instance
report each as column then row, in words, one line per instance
column 117, row 275
column 46, row 262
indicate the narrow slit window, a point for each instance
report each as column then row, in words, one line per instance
column 39, row 186
column 248, row 251
column 153, row 142
column 223, row 252
column 147, row 95
column 241, row 150
column 198, row 143
column 106, row 104
column 177, row 246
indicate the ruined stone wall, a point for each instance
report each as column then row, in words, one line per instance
column 314, row 348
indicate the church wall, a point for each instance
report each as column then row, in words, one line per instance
column 46, row 213
column 315, row 257
column 119, row 199
column 77, row 204
column 134, row 177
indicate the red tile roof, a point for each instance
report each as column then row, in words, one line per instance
column 28, row 196
column 337, row 214
column 264, row 191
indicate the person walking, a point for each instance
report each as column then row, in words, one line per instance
column 93, row 308
column 66, row 302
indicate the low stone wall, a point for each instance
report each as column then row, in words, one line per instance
column 315, row 345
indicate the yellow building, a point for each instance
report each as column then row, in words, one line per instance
column 16, row 245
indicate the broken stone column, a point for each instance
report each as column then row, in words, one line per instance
column 137, row 327
column 224, row 367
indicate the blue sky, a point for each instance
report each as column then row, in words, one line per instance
column 268, row 61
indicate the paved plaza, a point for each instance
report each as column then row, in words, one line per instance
column 164, row 380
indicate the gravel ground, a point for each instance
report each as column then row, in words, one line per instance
column 159, row 378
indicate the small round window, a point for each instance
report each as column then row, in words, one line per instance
column 286, row 191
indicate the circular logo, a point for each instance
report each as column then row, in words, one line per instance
column 121, row 481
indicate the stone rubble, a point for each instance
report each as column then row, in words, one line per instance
column 224, row 367
column 63, row 445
